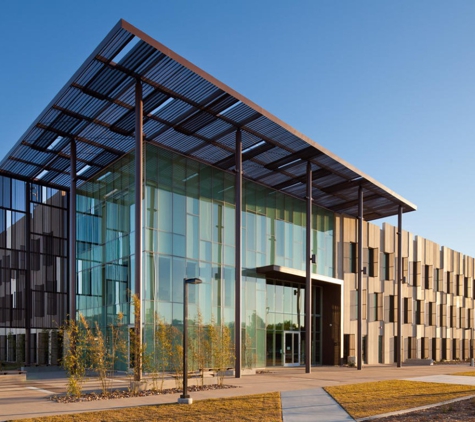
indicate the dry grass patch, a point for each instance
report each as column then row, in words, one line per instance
column 466, row 374
column 375, row 398
column 259, row 407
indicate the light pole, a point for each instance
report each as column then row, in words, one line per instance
column 185, row 397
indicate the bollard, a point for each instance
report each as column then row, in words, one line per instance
column 471, row 362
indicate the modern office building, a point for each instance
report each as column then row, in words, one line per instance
column 142, row 154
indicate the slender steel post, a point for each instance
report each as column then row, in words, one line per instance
column 185, row 342
column 28, row 304
column 238, row 257
column 360, row 278
column 72, row 232
column 308, row 275
column 399, row 287
column 138, row 222
column 185, row 397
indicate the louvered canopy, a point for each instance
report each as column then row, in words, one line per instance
column 187, row 111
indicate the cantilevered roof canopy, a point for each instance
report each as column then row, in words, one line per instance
column 187, row 111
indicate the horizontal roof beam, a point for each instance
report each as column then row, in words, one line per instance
column 316, row 174
column 230, row 161
column 36, row 182
column 343, row 185
column 352, row 203
column 80, row 139
column 304, row 154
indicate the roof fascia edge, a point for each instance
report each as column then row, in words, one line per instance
column 117, row 26
column 184, row 62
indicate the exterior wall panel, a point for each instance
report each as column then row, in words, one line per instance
column 438, row 298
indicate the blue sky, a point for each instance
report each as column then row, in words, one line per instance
column 387, row 85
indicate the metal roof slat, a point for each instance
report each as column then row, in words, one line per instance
column 210, row 152
column 214, row 129
column 173, row 110
column 137, row 55
column 104, row 157
column 152, row 126
column 152, row 101
column 117, row 42
column 177, row 141
column 274, row 179
column 60, row 164
column 112, row 113
column 48, row 177
column 89, row 72
column 240, row 113
column 61, row 180
column 254, row 171
column 107, row 80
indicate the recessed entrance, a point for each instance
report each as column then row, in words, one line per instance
column 291, row 348
column 285, row 319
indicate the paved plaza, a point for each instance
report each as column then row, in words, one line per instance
column 302, row 395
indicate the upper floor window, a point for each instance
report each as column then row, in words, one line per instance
column 353, row 257
column 387, row 266
column 437, row 280
column 428, row 281
column 372, row 262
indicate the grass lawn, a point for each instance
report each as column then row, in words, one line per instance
column 466, row 374
column 259, row 407
column 375, row 398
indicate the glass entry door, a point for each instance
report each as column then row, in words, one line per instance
column 291, row 348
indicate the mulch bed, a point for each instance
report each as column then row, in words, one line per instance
column 122, row 394
column 463, row 410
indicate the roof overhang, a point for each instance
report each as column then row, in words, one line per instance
column 187, row 111
column 280, row 272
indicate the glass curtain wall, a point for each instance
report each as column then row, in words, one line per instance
column 189, row 232
column 105, row 242
column 33, row 293
column 274, row 234
column 188, row 220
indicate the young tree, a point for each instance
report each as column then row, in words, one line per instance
column 249, row 354
column 221, row 346
column 136, row 344
column 137, row 347
column 177, row 355
column 118, row 342
column 100, row 356
column 199, row 348
column 159, row 359
column 75, row 354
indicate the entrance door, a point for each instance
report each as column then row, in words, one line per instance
column 291, row 348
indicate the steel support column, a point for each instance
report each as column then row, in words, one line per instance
column 138, row 222
column 360, row 278
column 399, row 287
column 29, row 304
column 72, row 232
column 238, row 257
column 308, row 274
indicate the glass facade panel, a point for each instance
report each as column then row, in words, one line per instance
column 33, row 289
column 105, row 261
column 189, row 231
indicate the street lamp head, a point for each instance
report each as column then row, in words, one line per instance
column 193, row 281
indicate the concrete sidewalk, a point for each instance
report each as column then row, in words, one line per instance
column 445, row 379
column 30, row 398
column 311, row 405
